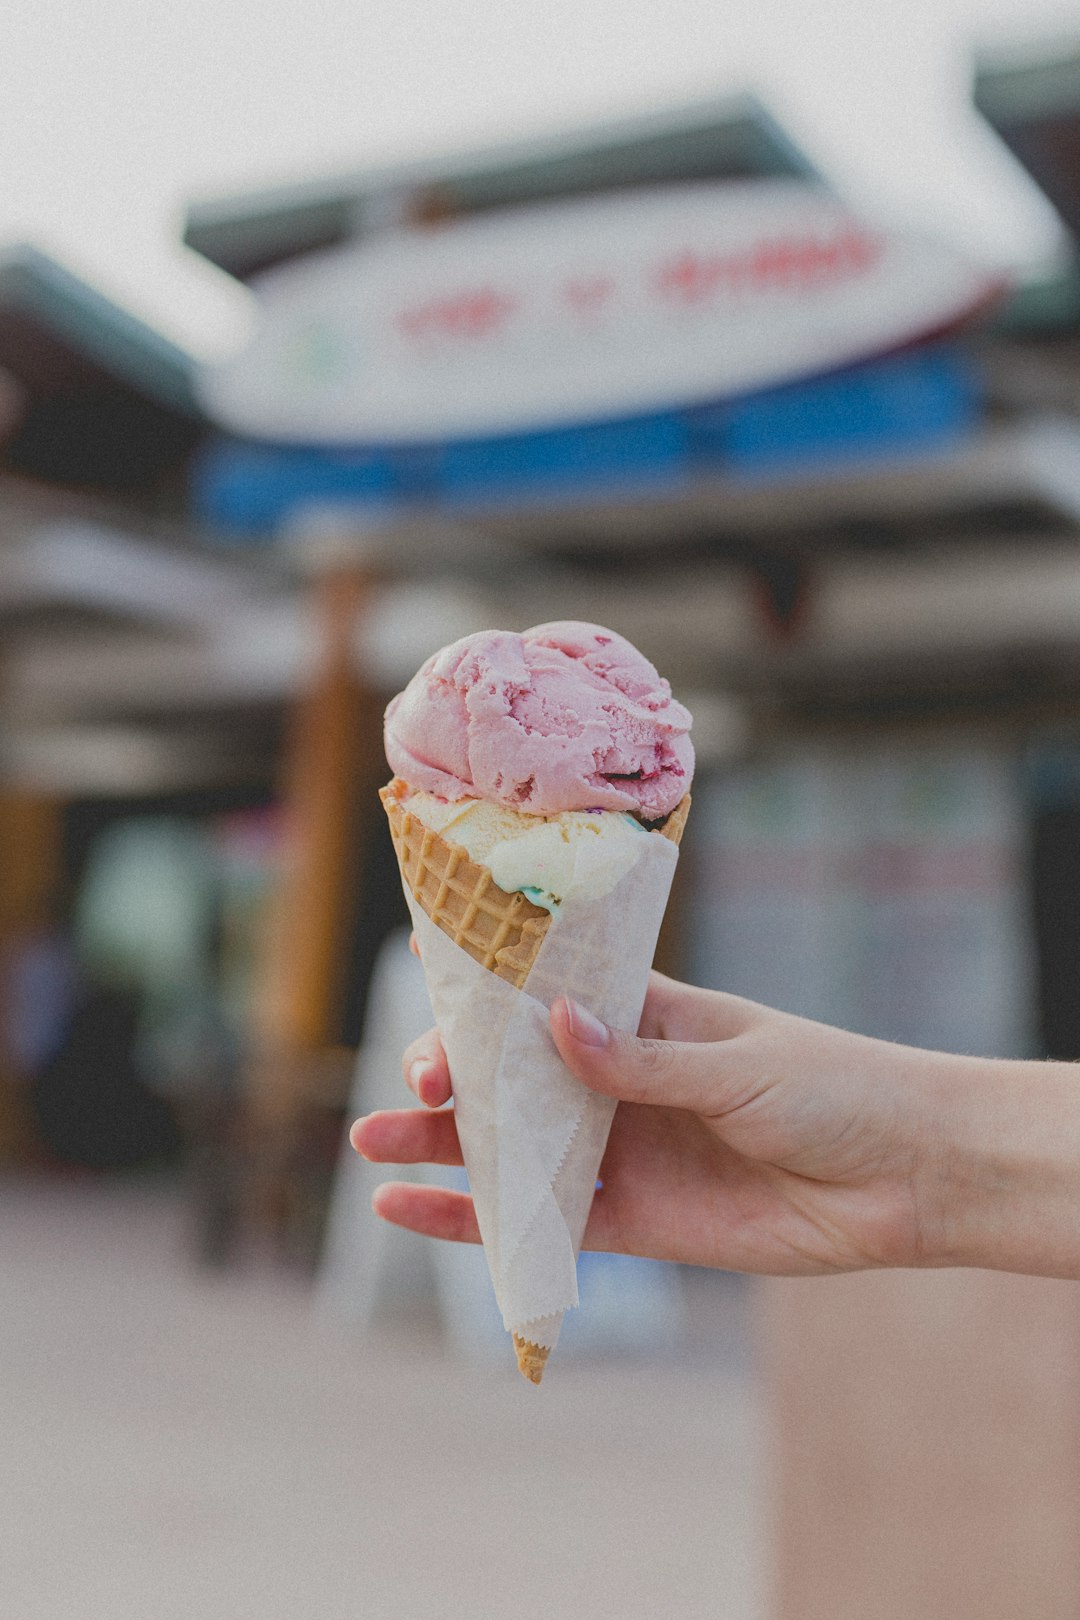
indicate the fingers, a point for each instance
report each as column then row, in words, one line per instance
column 700, row 1076
column 407, row 1136
column 425, row 1069
column 435, row 1211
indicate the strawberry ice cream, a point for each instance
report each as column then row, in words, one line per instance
column 541, row 785
column 566, row 716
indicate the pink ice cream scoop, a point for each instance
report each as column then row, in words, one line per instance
column 565, row 717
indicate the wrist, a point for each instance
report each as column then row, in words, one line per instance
column 1002, row 1188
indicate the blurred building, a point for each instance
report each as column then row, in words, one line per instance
column 101, row 566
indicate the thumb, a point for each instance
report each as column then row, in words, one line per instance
column 671, row 1074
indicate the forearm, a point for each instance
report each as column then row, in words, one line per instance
column 1004, row 1157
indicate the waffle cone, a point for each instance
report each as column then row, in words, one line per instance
column 501, row 931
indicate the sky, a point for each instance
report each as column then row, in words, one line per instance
column 115, row 114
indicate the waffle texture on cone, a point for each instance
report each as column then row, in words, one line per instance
column 531, row 1358
column 501, row 931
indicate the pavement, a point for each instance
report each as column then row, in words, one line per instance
column 178, row 1444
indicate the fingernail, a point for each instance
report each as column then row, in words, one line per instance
column 584, row 1027
column 417, row 1072
column 430, row 1091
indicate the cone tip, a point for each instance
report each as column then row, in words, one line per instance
column 530, row 1358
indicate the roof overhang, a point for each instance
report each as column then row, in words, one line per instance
column 733, row 138
column 1032, row 101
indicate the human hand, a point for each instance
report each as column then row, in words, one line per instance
column 743, row 1138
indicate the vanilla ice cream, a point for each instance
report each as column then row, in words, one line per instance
column 580, row 852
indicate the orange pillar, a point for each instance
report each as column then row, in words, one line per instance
column 29, row 873
column 333, row 765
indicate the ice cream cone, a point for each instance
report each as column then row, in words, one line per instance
column 526, row 767
column 501, row 931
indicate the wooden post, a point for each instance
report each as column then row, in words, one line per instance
column 333, row 765
column 328, row 742
column 925, row 1446
column 29, row 873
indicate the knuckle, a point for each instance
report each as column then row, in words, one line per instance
column 653, row 1065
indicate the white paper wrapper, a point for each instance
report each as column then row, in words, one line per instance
column 532, row 1136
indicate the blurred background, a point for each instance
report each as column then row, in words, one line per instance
column 326, row 338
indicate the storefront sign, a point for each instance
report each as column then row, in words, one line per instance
column 583, row 311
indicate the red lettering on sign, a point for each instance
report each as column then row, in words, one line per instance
column 470, row 314
column 692, row 277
